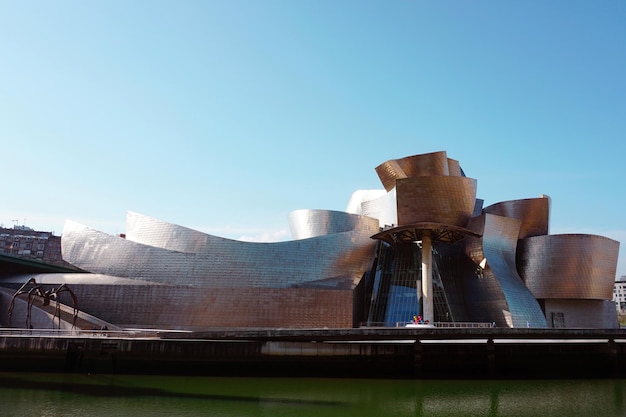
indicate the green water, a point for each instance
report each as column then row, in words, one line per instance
column 106, row 395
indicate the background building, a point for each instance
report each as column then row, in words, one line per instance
column 24, row 242
column 619, row 294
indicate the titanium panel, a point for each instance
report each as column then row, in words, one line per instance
column 428, row 164
column 357, row 198
column 582, row 314
column 133, row 304
column 483, row 293
column 497, row 261
column 306, row 224
column 336, row 261
column 388, row 172
column 152, row 232
column 534, row 213
column 190, row 308
column 571, row 266
column 435, row 199
column 454, row 168
column 383, row 208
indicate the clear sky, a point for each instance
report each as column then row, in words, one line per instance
column 224, row 116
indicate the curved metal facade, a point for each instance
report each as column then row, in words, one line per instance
column 432, row 188
column 435, row 163
column 381, row 207
column 137, row 303
column 220, row 262
column 357, row 198
column 573, row 266
column 436, row 199
column 534, row 213
column 493, row 264
column 306, row 224
column 498, row 293
column 162, row 274
column 159, row 234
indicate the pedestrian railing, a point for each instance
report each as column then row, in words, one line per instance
column 134, row 334
column 438, row 324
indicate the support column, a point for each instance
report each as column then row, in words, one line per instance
column 427, row 278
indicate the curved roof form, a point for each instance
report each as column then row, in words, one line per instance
column 149, row 231
column 336, row 261
column 436, row 199
column 534, row 213
column 454, row 168
column 495, row 254
column 435, row 163
column 571, row 266
column 306, row 224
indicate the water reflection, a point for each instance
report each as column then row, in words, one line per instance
column 108, row 395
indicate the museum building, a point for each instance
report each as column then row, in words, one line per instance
column 423, row 245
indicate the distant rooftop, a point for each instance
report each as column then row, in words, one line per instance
column 22, row 227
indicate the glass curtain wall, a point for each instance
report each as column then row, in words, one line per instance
column 397, row 287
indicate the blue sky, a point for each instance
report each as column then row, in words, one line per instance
column 224, row 116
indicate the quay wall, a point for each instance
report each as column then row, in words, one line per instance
column 392, row 353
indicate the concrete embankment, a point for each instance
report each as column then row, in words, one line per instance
column 394, row 352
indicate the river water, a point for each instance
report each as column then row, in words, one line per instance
column 69, row 395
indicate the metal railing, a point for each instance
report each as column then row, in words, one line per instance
column 120, row 334
column 463, row 325
column 438, row 324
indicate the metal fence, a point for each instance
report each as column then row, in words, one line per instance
column 439, row 325
column 124, row 334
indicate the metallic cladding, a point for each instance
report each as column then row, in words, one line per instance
column 388, row 172
column 357, row 198
column 435, row 199
column 454, row 168
column 221, row 262
column 534, row 213
column 153, row 232
column 573, row 313
column 501, row 285
column 167, row 275
column 568, row 266
column 435, row 163
column 149, row 306
column 383, row 208
column 313, row 223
